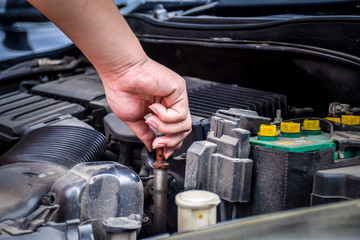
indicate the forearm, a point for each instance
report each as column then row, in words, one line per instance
column 134, row 84
column 98, row 29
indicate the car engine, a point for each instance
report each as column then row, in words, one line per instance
column 275, row 126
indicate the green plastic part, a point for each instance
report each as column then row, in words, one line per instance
column 302, row 144
column 290, row 135
column 351, row 152
column 311, row 132
column 267, row 138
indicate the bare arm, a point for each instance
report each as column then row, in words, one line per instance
column 97, row 28
column 134, row 84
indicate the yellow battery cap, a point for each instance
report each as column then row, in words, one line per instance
column 334, row 119
column 311, row 125
column 350, row 119
column 356, row 120
column 290, row 127
column 268, row 130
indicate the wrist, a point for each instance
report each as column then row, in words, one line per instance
column 114, row 70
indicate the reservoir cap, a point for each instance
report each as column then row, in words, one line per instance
column 197, row 199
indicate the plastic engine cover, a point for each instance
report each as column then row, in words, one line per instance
column 96, row 191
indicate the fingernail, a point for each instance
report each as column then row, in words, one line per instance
column 159, row 145
column 152, row 108
column 151, row 123
column 168, row 153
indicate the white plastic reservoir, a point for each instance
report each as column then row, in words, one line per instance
column 196, row 209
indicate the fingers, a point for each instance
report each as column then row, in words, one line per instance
column 169, row 128
column 172, row 141
column 174, row 122
column 178, row 112
column 175, row 132
column 169, row 151
column 143, row 132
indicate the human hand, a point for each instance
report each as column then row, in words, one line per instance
column 148, row 87
column 134, row 84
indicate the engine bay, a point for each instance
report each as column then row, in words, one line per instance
column 275, row 127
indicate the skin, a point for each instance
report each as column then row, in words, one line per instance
column 134, row 84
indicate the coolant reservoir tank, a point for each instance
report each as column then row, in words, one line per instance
column 196, row 209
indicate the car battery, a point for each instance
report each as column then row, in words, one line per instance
column 285, row 160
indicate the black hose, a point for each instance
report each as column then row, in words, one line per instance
column 300, row 112
column 63, row 145
column 36, row 71
column 147, row 159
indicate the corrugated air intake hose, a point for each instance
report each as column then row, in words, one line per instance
column 63, row 145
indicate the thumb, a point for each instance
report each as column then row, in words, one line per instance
column 143, row 132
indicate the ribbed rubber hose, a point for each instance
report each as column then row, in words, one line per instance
column 63, row 145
